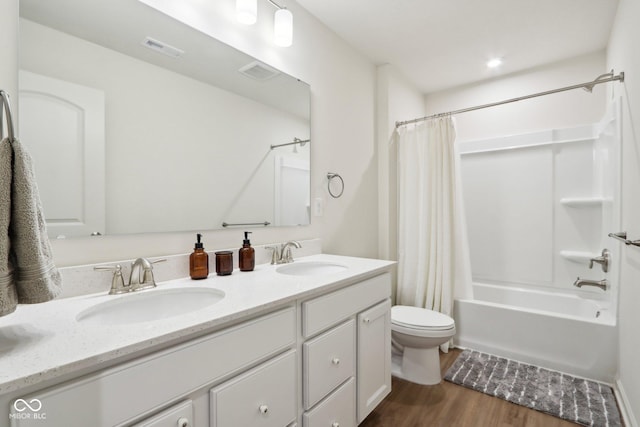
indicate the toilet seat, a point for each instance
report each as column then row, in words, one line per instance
column 419, row 319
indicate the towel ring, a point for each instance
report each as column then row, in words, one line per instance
column 7, row 113
column 330, row 177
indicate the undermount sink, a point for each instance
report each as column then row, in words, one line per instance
column 311, row 268
column 150, row 305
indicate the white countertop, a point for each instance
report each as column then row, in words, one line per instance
column 42, row 342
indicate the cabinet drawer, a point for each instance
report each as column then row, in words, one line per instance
column 163, row 377
column 180, row 415
column 338, row 410
column 263, row 397
column 328, row 360
column 323, row 312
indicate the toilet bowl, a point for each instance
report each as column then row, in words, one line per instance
column 416, row 334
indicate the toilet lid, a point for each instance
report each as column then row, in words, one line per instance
column 420, row 318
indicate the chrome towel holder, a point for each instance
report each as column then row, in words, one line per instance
column 7, row 114
column 331, row 176
column 622, row 236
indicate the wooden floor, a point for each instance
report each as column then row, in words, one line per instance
column 451, row 405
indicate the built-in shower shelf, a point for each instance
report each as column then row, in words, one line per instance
column 577, row 256
column 582, row 201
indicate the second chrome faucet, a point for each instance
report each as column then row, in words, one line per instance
column 282, row 254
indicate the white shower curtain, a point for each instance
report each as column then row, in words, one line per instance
column 433, row 252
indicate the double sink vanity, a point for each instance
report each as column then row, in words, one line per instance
column 301, row 344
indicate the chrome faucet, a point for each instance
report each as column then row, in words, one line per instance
column 282, row 254
column 603, row 260
column 141, row 276
column 602, row 284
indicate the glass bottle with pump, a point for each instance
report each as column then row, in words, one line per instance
column 199, row 261
column 246, row 255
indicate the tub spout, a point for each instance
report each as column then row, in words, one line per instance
column 602, row 284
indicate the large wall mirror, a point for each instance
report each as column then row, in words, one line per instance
column 138, row 123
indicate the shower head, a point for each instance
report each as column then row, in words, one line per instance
column 589, row 86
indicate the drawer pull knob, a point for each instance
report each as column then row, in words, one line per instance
column 263, row 409
column 335, row 361
column 366, row 320
column 183, row 422
column 335, row 424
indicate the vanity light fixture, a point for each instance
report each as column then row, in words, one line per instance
column 247, row 12
column 283, row 28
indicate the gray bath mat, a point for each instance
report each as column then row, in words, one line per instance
column 584, row 402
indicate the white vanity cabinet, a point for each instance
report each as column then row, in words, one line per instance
column 122, row 395
column 322, row 359
column 347, row 353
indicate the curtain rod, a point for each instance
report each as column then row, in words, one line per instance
column 588, row 86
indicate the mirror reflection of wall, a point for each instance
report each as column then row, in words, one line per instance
column 179, row 153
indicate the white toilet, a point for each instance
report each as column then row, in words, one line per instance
column 416, row 334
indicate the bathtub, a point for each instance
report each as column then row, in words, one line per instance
column 564, row 332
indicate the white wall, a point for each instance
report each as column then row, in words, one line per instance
column 566, row 109
column 9, row 51
column 342, row 129
column 396, row 100
column 624, row 55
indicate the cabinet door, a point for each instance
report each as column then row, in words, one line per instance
column 263, row 397
column 374, row 357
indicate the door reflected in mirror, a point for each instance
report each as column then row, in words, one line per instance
column 127, row 139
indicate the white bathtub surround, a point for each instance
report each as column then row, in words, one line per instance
column 539, row 208
column 559, row 331
column 540, row 205
column 432, row 248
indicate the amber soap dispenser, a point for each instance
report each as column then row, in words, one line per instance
column 199, row 261
column 246, row 255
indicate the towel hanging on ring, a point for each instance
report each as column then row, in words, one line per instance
column 28, row 274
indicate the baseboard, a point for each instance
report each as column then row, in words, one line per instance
column 625, row 407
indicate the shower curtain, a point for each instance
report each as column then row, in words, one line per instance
column 433, row 252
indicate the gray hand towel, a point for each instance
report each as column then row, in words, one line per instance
column 35, row 277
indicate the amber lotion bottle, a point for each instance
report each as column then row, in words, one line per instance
column 246, row 255
column 199, row 261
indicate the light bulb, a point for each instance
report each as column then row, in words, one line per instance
column 247, row 11
column 495, row 62
column 283, row 28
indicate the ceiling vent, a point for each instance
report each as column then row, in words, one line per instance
column 259, row 71
column 162, row 47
